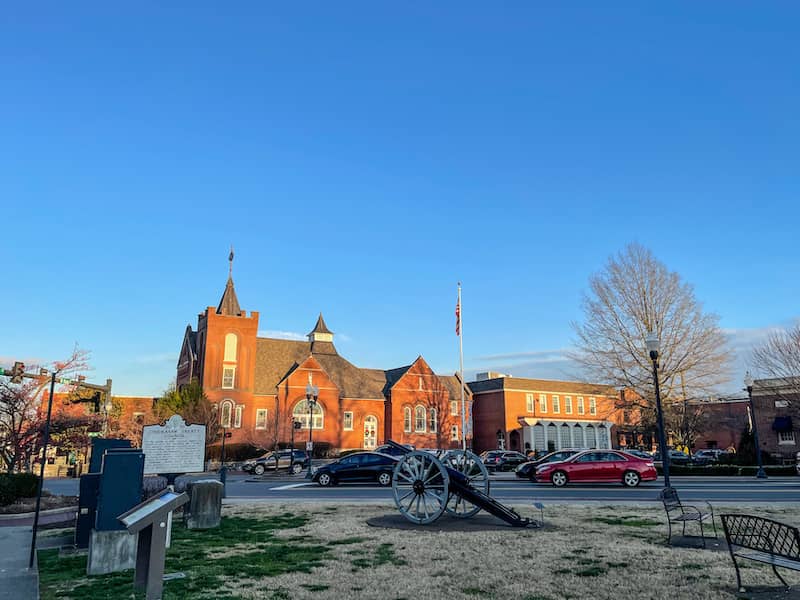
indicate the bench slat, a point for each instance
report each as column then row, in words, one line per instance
column 770, row 559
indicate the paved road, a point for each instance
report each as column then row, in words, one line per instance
column 506, row 488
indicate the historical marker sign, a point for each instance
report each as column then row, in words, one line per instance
column 174, row 447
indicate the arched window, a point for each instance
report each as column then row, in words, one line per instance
column 226, row 408
column 432, row 425
column 407, row 419
column 419, row 419
column 230, row 347
column 300, row 413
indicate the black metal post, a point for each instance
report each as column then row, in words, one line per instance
column 662, row 440
column 223, row 472
column 760, row 474
column 45, row 441
column 291, row 447
column 310, row 440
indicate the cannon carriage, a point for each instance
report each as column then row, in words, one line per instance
column 426, row 487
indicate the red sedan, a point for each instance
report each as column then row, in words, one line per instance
column 595, row 466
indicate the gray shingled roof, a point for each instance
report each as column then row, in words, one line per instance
column 320, row 327
column 542, row 385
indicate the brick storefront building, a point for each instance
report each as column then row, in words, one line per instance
column 259, row 386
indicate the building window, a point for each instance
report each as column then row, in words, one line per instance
column 420, row 384
column 592, row 406
column 237, row 418
column 786, row 438
column 568, row 404
column 225, row 414
column 230, row 348
column 543, row 403
column 454, row 433
column 529, row 402
column 261, row 418
column 138, row 418
column 300, row 413
column 626, row 417
column 581, row 409
column 347, row 423
column 228, row 374
column 407, row 419
column 556, row 404
column 454, row 408
column 432, row 425
column 419, row 419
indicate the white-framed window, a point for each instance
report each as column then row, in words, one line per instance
column 432, row 425
column 420, row 384
column 237, row 416
column 300, row 413
column 230, row 347
column 419, row 419
column 407, row 419
column 261, row 418
column 225, row 413
column 556, row 404
column 592, row 406
column 543, row 403
column 454, row 408
column 786, row 438
column 138, row 418
column 568, row 405
column 581, row 409
column 228, row 377
column 454, row 433
column 347, row 421
column 529, row 403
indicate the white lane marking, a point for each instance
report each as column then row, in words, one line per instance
column 290, row 487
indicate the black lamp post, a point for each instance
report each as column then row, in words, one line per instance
column 312, row 393
column 748, row 384
column 652, row 342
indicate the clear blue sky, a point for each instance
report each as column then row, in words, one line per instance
column 364, row 157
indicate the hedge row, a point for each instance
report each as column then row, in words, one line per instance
column 17, row 485
column 774, row 470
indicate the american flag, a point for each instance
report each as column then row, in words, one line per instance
column 458, row 316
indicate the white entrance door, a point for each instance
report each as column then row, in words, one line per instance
column 370, row 433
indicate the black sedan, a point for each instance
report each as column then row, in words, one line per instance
column 358, row 467
column 503, row 460
column 527, row 470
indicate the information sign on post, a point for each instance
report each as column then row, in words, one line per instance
column 309, row 446
column 174, row 447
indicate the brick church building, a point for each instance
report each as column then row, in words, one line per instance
column 259, row 386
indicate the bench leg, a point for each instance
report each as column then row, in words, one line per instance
column 669, row 535
column 702, row 534
column 739, row 585
column 778, row 575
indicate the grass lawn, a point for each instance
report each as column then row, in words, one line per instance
column 328, row 552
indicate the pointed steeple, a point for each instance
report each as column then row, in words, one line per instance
column 320, row 327
column 229, row 304
column 321, row 338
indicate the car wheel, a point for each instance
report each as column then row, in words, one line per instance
column 631, row 478
column 385, row 479
column 258, row 469
column 296, row 468
column 325, row 480
column 559, row 479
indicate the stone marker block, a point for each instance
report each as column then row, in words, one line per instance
column 204, row 510
column 111, row 552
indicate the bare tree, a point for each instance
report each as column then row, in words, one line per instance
column 778, row 359
column 634, row 294
column 191, row 403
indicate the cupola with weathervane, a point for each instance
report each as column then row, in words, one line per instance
column 321, row 338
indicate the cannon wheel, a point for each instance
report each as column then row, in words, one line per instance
column 471, row 466
column 421, row 487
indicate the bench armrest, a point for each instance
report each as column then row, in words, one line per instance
column 694, row 508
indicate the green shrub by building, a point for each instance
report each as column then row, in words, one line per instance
column 17, row 485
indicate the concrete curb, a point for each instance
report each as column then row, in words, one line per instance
column 28, row 515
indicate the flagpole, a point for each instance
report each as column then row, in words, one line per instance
column 461, row 365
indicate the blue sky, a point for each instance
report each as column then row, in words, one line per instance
column 364, row 157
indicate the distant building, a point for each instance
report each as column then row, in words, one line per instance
column 777, row 410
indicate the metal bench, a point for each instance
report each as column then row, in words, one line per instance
column 677, row 512
column 762, row 540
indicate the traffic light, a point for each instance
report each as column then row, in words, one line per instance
column 17, row 372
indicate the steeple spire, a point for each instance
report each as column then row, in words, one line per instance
column 229, row 304
column 321, row 338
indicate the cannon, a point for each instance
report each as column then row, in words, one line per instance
column 426, row 487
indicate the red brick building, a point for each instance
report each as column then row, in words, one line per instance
column 259, row 385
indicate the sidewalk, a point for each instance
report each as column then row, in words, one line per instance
column 16, row 581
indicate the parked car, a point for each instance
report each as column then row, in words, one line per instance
column 676, row 457
column 392, row 450
column 797, row 466
column 503, row 460
column 527, row 470
column 360, row 466
column 597, row 466
column 710, row 454
column 640, row 453
column 280, row 459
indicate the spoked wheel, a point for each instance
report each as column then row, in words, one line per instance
column 421, row 486
column 472, row 466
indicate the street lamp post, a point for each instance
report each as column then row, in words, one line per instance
column 748, row 384
column 312, row 393
column 652, row 342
